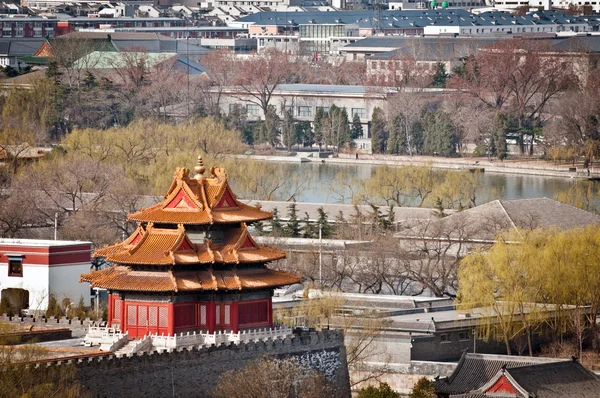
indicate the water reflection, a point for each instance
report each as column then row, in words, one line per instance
column 509, row 186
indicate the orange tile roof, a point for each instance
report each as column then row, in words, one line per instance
column 168, row 247
column 124, row 278
column 200, row 200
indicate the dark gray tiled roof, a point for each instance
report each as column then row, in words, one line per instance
column 20, row 47
column 475, row 370
column 568, row 379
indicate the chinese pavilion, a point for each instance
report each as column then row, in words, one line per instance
column 191, row 264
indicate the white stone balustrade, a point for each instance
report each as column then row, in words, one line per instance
column 112, row 339
column 143, row 345
column 98, row 335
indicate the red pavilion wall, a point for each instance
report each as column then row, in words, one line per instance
column 142, row 318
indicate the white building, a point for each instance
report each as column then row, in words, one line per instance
column 304, row 100
column 31, row 270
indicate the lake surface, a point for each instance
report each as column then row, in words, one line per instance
column 322, row 177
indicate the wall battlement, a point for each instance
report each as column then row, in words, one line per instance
column 194, row 371
column 72, row 323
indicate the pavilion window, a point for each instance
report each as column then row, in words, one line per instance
column 202, row 314
column 153, row 316
column 227, row 314
column 218, row 314
column 163, row 317
column 117, row 310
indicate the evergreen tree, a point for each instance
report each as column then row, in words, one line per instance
column 379, row 222
column 498, row 146
column 309, row 230
column 320, row 116
column 259, row 132
column 378, row 133
column 293, row 228
column 323, row 223
column 396, row 141
column 439, row 208
column 288, row 130
column 272, row 126
column 337, row 131
column 304, row 134
column 439, row 134
column 391, row 218
column 276, row 227
column 440, row 76
column 357, row 128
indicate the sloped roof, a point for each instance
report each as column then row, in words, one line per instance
column 486, row 221
column 169, row 247
column 17, row 47
column 557, row 380
column 110, row 60
column 475, row 370
column 126, row 279
column 200, row 200
column 411, row 19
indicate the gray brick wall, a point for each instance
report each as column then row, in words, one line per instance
column 194, row 372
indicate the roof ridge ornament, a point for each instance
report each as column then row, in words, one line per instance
column 199, row 169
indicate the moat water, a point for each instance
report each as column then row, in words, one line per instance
column 321, row 178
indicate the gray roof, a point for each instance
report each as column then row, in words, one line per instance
column 486, row 221
column 19, row 47
column 475, row 370
column 150, row 42
column 447, row 48
column 410, row 19
column 566, row 379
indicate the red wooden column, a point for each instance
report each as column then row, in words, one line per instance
column 111, row 310
column 235, row 319
column 270, row 311
column 211, row 316
column 171, row 324
column 123, row 316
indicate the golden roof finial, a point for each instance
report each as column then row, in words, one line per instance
column 199, row 169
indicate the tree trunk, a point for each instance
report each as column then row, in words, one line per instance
column 507, row 343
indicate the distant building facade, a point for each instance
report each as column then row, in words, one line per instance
column 305, row 99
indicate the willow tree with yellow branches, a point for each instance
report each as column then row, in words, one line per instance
column 531, row 279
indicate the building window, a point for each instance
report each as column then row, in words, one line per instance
column 463, row 335
column 445, row 338
column 325, row 109
column 253, row 109
column 361, row 112
column 15, row 266
column 305, row 111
